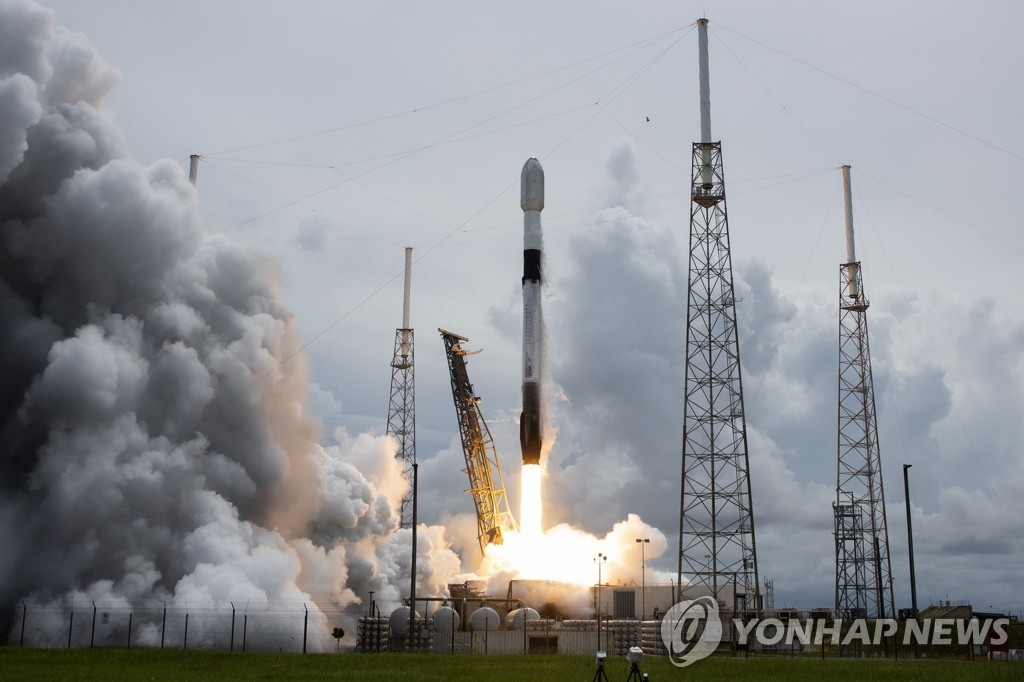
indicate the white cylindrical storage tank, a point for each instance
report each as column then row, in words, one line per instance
column 484, row 618
column 399, row 621
column 515, row 618
column 446, row 619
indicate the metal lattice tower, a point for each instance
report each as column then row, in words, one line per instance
column 863, row 570
column 717, row 549
column 852, row 590
column 402, row 403
column 769, row 595
column 716, row 536
column 485, row 482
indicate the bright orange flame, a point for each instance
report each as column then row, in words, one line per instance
column 562, row 553
column 565, row 554
column 531, row 507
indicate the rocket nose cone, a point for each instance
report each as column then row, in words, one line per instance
column 532, row 185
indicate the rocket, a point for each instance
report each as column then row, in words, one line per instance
column 532, row 202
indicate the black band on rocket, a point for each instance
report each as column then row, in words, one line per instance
column 531, row 265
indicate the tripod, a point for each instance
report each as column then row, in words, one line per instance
column 635, row 674
column 599, row 675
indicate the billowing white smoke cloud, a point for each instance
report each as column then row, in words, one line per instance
column 153, row 443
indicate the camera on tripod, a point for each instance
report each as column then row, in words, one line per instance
column 635, row 656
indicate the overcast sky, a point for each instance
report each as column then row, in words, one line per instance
column 335, row 134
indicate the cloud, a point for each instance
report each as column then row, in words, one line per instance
column 154, row 440
column 624, row 173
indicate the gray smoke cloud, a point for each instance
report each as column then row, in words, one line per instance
column 153, row 442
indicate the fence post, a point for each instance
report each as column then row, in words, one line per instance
column 522, row 610
column 305, row 628
column 184, row 644
column 130, row 614
column 245, row 628
column 24, row 617
column 71, row 624
column 92, row 636
column 232, row 626
column 163, row 626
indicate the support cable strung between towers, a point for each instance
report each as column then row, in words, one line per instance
column 717, row 549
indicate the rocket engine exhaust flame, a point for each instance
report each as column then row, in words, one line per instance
column 531, row 509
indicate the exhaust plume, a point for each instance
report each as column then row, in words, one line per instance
column 153, row 444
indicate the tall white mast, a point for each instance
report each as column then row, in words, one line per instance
column 851, row 249
column 193, row 169
column 405, row 302
column 705, row 101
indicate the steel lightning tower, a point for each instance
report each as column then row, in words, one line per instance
column 716, row 518
column 402, row 403
column 863, row 571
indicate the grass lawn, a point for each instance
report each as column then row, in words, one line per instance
column 136, row 664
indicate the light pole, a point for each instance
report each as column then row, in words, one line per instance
column 643, row 578
column 910, row 540
column 599, row 560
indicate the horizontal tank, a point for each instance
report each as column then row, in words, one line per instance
column 446, row 619
column 484, row 618
column 399, row 621
column 516, row 618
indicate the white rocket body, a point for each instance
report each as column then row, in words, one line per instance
column 532, row 202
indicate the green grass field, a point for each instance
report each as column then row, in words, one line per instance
column 137, row 664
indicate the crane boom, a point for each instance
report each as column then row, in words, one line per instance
column 485, row 483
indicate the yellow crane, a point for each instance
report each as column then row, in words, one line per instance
column 486, row 486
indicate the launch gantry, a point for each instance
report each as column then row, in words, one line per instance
column 486, row 486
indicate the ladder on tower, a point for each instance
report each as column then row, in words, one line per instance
column 485, row 483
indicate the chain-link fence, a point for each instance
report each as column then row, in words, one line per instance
column 283, row 627
column 305, row 627
column 301, row 627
